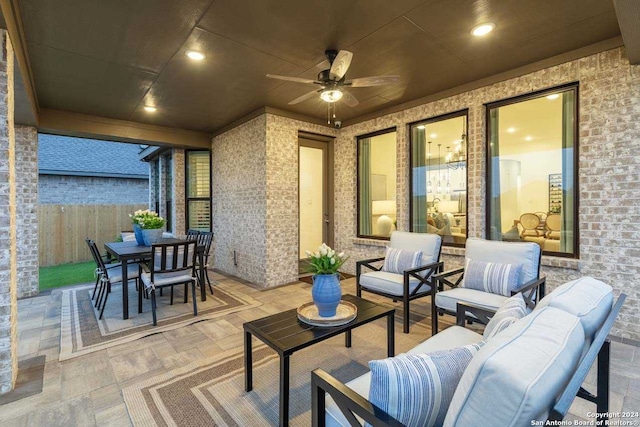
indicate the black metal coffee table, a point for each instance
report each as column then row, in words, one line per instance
column 284, row 333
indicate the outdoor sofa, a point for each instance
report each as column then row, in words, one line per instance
column 531, row 371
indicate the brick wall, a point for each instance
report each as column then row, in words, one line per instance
column 154, row 197
column 609, row 178
column 27, row 210
column 8, row 248
column 239, row 193
column 178, row 204
column 255, row 181
column 86, row 190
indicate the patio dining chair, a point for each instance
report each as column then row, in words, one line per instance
column 204, row 239
column 400, row 280
column 493, row 271
column 107, row 274
column 171, row 264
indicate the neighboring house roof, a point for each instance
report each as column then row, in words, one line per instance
column 64, row 155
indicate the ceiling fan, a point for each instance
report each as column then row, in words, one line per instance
column 332, row 81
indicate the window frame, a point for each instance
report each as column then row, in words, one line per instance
column 435, row 119
column 575, row 86
column 188, row 199
column 358, row 138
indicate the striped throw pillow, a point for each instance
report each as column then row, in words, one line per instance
column 416, row 389
column 398, row 260
column 492, row 277
column 511, row 310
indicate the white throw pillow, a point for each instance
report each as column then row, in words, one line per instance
column 398, row 261
column 416, row 389
column 511, row 310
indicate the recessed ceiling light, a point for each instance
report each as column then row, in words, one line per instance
column 433, row 135
column 421, row 127
column 553, row 96
column 195, row 55
column 483, row 29
column 150, row 109
column 511, row 130
column 528, row 138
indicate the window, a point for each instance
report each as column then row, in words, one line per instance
column 377, row 184
column 438, row 181
column 532, row 170
column 198, row 185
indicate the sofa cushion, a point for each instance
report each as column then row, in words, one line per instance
column 525, row 253
column 449, row 298
column 452, row 337
column 493, row 277
column 398, row 261
column 587, row 298
column 389, row 283
column 416, row 389
column 510, row 311
column 527, row 365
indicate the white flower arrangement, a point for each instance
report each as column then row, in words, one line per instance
column 325, row 260
column 147, row 220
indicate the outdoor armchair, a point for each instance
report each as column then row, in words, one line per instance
column 411, row 283
column 488, row 259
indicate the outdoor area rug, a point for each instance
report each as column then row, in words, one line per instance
column 211, row 392
column 83, row 333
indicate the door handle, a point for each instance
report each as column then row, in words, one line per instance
column 326, row 221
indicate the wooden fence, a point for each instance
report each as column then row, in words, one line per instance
column 63, row 228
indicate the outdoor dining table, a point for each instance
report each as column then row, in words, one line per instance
column 125, row 252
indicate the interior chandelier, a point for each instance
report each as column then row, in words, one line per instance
column 456, row 158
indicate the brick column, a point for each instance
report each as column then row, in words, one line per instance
column 153, row 175
column 162, row 186
column 8, row 249
column 27, row 209
column 178, row 191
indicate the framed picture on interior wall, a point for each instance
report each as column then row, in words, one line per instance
column 555, row 193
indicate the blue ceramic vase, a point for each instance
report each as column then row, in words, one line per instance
column 151, row 236
column 137, row 231
column 326, row 293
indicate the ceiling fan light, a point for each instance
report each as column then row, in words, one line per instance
column 332, row 95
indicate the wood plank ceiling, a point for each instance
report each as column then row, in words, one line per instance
column 111, row 58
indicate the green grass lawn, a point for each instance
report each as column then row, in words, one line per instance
column 66, row 274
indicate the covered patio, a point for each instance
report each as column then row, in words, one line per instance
column 555, row 86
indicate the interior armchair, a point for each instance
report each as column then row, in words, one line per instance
column 493, row 272
column 411, row 261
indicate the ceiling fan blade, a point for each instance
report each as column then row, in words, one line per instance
column 349, row 99
column 304, row 97
column 291, row 79
column 340, row 65
column 372, row 81
column 324, row 65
